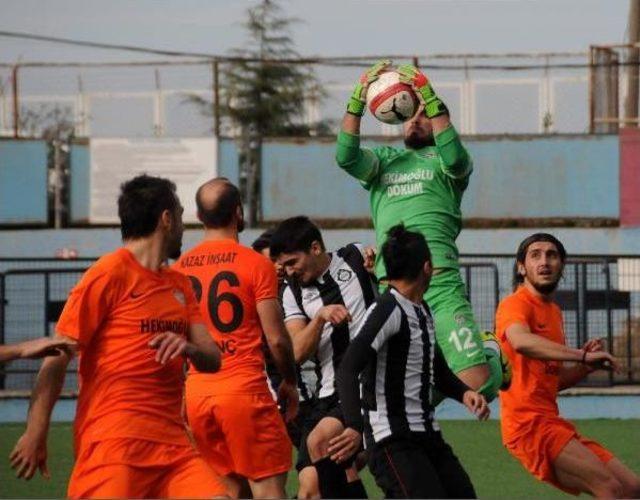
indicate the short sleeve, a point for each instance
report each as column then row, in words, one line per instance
column 191, row 302
column 510, row 311
column 290, row 305
column 381, row 321
column 265, row 280
column 88, row 305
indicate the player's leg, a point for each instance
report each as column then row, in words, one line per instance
column 577, row 468
column 453, row 477
column 402, row 469
column 210, row 440
column 257, row 441
column 190, row 477
column 628, row 479
column 269, row 487
column 309, row 484
column 335, row 481
column 97, row 473
column 474, row 359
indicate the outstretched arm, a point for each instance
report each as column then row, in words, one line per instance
column 34, row 349
column 456, row 161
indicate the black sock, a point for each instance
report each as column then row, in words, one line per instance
column 332, row 479
column 356, row 489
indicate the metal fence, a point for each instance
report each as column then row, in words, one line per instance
column 599, row 295
column 486, row 93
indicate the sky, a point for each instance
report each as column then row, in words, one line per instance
column 327, row 27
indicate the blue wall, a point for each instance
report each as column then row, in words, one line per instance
column 515, row 177
column 564, row 176
column 23, row 182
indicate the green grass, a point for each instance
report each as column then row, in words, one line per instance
column 493, row 471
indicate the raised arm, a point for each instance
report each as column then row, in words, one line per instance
column 357, row 162
column 34, row 349
column 456, row 161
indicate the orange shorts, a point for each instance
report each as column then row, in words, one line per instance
column 136, row 468
column 538, row 450
column 240, row 433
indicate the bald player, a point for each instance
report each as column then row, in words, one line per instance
column 234, row 419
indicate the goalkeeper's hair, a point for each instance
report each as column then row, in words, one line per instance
column 404, row 253
column 141, row 203
column 263, row 241
column 296, row 234
column 521, row 253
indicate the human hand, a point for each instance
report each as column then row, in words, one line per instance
column 334, row 314
column 358, row 100
column 288, row 399
column 431, row 103
column 168, row 345
column 345, row 445
column 476, row 404
column 28, row 455
column 46, row 346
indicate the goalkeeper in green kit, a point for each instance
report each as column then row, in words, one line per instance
column 422, row 187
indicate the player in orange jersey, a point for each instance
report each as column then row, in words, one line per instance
column 133, row 320
column 529, row 326
column 234, row 419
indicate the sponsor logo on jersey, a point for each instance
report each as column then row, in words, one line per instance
column 344, row 275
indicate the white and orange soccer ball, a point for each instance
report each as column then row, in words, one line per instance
column 390, row 100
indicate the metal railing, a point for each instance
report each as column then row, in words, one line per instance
column 599, row 296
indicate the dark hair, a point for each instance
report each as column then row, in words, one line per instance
column 221, row 214
column 141, row 203
column 263, row 241
column 294, row 235
column 521, row 254
column 404, row 253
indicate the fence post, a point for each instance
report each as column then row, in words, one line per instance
column 607, row 278
column 16, row 103
column 216, row 97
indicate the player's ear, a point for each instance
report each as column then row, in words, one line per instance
column 166, row 218
column 316, row 248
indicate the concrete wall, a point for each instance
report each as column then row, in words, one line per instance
column 575, row 176
column 515, row 177
column 23, row 182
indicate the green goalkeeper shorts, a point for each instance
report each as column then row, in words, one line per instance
column 457, row 333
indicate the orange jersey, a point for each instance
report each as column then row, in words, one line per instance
column 534, row 386
column 229, row 281
column 113, row 312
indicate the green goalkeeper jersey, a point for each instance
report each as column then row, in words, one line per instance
column 421, row 188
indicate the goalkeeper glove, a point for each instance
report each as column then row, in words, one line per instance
column 432, row 104
column 358, row 100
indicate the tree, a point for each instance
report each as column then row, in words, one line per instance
column 263, row 96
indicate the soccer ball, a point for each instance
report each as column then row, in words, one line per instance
column 390, row 100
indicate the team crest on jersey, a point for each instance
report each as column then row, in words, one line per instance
column 309, row 294
column 460, row 319
column 180, row 297
column 344, row 275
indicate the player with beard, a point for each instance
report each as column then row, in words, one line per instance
column 234, row 419
column 422, row 187
column 529, row 326
column 134, row 321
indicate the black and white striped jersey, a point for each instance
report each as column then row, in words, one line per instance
column 396, row 349
column 345, row 282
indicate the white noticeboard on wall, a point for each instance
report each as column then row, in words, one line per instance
column 187, row 162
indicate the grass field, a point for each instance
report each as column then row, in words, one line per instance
column 493, row 472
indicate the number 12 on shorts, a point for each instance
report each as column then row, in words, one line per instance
column 462, row 339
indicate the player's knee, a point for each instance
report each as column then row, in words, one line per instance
column 317, row 446
column 632, row 489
